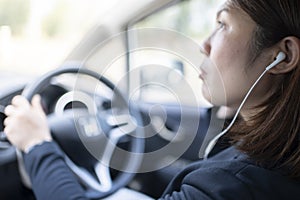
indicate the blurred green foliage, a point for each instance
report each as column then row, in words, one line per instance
column 14, row 13
column 189, row 17
column 55, row 22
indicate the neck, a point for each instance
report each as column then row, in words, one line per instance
column 249, row 114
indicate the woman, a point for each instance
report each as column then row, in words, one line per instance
column 263, row 161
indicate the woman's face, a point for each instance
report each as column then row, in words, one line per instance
column 226, row 71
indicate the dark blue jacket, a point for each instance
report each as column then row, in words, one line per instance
column 227, row 175
column 231, row 175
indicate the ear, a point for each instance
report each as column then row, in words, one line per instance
column 291, row 47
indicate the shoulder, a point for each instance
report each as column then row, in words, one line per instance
column 215, row 178
column 229, row 162
column 231, row 175
column 220, row 179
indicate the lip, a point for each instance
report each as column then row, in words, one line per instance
column 203, row 66
column 202, row 74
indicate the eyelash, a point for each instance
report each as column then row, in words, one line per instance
column 220, row 24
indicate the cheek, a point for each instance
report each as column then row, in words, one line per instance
column 228, row 58
column 229, row 50
column 213, row 85
column 224, row 89
column 226, row 81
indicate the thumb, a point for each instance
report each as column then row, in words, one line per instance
column 36, row 102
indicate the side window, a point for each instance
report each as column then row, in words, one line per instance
column 165, row 56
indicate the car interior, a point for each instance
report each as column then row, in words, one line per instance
column 125, row 104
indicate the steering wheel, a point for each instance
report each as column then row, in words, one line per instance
column 95, row 136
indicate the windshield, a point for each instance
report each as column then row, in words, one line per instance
column 37, row 35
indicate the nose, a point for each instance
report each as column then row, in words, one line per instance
column 205, row 47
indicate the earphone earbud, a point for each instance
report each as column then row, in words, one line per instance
column 279, row 58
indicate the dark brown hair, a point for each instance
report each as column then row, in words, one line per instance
column 273, row 140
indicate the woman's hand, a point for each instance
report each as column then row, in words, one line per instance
column 26, row 124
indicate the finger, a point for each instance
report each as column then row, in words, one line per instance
column 6, row 121
column 8, row 133
column 6, row 130
column 36, row 102
column 9, row 110
column 20, row 101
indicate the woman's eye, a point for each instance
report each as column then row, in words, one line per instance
column 220, row 24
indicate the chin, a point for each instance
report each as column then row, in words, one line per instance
column 207, row 95
column 213, row 99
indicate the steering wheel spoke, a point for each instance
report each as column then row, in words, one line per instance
column 104, row 182
column 125, row 122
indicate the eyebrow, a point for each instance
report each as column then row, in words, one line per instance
column 223, row 9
